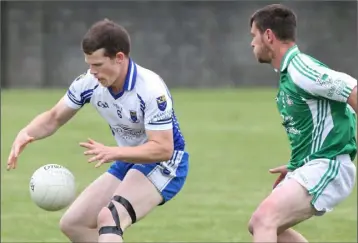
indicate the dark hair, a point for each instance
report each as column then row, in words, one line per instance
column 108, row 35
column 280, row 19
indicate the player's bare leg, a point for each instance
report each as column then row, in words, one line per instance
column 138, row 197
column 285, row 207
column 291, row 236
column 79, row 223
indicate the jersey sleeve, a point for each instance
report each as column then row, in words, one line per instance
column 80, row 91
column 158, row 110
column 321, row 81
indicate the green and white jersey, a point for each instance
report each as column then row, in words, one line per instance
column 312, row 101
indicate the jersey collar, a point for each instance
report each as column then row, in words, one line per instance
column 130, row 80
column 290, row 53
column 131, row 76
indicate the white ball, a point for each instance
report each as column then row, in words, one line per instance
column 52, row 187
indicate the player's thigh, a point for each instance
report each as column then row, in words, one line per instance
column 146, row 186
column 286, row 206
column 85, row 208
column 293, row 204
column 312, row 189
column 140, row 193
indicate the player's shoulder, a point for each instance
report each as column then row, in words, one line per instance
column 148, row 82
column 306, row 67
column 306, row 63
column 85, row 79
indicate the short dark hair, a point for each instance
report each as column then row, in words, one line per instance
column 280, row 19
column 108, row 35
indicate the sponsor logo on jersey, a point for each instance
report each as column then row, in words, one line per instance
column 102, row 104
column 337, row 87
column 334, row 86
column 324, row 80
column 162, row 116
column 126, row 132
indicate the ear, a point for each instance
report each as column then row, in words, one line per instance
column 119, row 57
column 269, row 35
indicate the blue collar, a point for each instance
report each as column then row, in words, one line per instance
column 130, row 80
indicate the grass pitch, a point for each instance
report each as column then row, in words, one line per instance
column 233, row 137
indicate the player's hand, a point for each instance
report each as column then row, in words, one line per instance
column 282, row 170
column 22, row 139
column 102, row 154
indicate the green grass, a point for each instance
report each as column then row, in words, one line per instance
column 233, row 138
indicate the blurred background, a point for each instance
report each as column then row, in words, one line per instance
column 224, row 100
column 191, row 44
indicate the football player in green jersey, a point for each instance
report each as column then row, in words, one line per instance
column 318, row 106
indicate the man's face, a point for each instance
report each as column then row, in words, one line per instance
column 105, row 69
column 260, row 45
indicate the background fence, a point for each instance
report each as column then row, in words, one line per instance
column 191, row 44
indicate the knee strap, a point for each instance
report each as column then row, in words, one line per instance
column 117, row 229
column 128, row 206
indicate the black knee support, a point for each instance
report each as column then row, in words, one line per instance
column 117, row 229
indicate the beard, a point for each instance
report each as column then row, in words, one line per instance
column 264, row 55
column 262, row 60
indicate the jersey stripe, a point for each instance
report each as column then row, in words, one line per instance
column 162, row 122
column 347, row 91
column 322, row 117
column 71, row 96
column 85, row 96
column 174, row 162
column 142, row 104
column 329, row 176
column 132, row 75
column 307, row 66
column 171, row 165
column 328, row 122
column 301, row 71
column 322, row 122
column 179, row 141
column 287, row 57
column 301, row 68
column 313, row 106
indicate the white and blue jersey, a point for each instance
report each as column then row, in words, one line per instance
column 144, row 104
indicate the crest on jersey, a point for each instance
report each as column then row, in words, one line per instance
column 134, row 117
column 162, row 102
column 288, row 100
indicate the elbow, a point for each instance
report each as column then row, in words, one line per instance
column 166, row 152
column 352, row 99
column 53, row 120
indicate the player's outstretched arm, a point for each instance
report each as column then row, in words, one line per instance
column 40, row 127
column 49, row 121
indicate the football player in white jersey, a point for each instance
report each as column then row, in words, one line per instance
column 149, row 165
